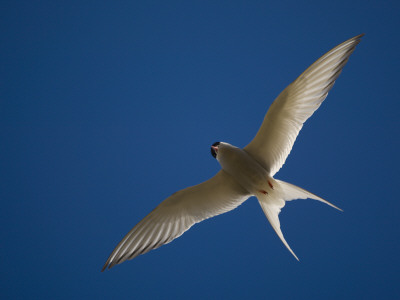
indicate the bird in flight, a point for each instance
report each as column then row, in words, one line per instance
column 244, row 172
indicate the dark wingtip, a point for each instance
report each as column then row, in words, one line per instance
column 106, row 266
column 358, row 37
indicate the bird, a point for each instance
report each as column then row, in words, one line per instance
column 245, row 172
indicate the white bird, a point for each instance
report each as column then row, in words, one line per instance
column 245, row 172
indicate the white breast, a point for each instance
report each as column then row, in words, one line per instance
column 245, row 169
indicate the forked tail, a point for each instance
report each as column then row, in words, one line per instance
column 272, row 204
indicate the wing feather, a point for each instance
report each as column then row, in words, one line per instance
column 177, row 214
column 295, row 104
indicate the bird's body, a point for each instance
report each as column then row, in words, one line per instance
column 245, row 172
column 244, row 169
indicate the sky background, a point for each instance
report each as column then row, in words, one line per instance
column 108, row 107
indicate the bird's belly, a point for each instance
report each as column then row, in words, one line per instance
column 248, row 173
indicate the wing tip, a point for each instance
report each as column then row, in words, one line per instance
column 109, row 264
column 353, row 42
column 106, row 266
column 357, row 38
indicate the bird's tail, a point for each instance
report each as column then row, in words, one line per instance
column 273, row 202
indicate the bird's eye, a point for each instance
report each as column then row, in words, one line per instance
column 214, row 149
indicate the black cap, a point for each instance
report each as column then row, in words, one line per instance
column 213, row 153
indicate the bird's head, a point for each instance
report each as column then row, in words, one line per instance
column 214, row 149
column 219, row 149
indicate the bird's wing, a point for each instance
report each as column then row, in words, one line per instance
column 177, row 214
column 295, row 104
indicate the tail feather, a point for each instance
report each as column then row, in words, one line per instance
column 293, row 192
column 272, row 204
column 271, row 210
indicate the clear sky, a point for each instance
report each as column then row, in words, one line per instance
column 108, row 107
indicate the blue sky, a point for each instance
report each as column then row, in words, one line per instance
column 108, row 107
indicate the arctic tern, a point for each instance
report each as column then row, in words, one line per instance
column 245, row 172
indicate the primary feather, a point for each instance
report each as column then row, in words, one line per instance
column 178, row 213
column 295, row 104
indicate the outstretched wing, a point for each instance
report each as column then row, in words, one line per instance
column 295, row 104
column 177, row 214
